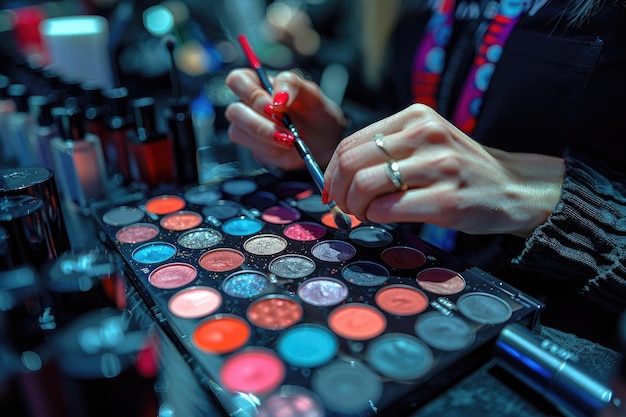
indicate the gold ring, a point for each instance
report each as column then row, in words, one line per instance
column 392, row 169
column 378, row 140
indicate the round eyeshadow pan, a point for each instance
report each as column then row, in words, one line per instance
column 371, row 236
column 399, row 356
column 242, row 226
column 221, row 260
column 165, row 204
column 122, row 216
column 329, row 220
column 256, row 371
column 173, row 275
column 333, row 251
column 365, row 274
column 304, row 231
column 292, row 266
column 441, row 281
column 200, row 238
column 222, row 333
column 195, row 302
column 484, row 308
column 137, row 233
column 245, row 284
column 154, row 252
column 447, row 333
column 401, row 300
column 294, row 189
column 239, row 187
column 307, row 345
column 182, row 220
column 202, row 194
column 359, row 386
column 266, row 244
column 323, row 291
column 280, row 215
column 356, row 321
column 291, row 401
column 403, row 257
column 222, row 209
column 274, row 312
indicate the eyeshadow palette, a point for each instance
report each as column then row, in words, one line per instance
column 280, row 313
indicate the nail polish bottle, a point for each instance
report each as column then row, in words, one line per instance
column 18, row 124
column 180, row 126
column 78, row 159
column 151, row 149
column 119, row 123
column 94, row 109
column 44, row 130
column 7, row 106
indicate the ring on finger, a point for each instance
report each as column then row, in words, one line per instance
column 378, row 139
column 392, row 169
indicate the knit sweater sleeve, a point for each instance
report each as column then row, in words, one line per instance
column 584, row 239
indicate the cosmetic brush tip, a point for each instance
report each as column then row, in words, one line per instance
column 342, row 220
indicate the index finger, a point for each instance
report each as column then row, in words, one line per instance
column 245, row 83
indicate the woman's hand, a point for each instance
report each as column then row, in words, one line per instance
column 255, row 120
column 452, row 181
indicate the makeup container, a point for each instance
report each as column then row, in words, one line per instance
column 119, row 124
column 18, row 124
column 94, row 110
column 551, row 371
column 43, row 132
column 40, row 183
column 270, row 304
column 78, row 47
column 26, row 224
column 78, row 159
column 151, row 149
column 7, row 106
column 181, row 128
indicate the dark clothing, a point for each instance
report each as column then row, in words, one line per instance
column 556, row 86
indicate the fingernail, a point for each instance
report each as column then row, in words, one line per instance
column 281, row 98
column 285, row 139
column 324, row 196
column 269, row 110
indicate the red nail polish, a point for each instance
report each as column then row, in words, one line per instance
column 324, row 196
column 285, row 139
column 281, row 98
column 268, row 110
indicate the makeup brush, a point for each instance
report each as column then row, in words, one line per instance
column 342, row 220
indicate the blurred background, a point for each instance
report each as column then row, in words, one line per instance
column 71, row 342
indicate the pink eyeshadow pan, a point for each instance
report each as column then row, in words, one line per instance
column 221, row 260
column 304, row 231
column 136, row 233
column 195, row 302
column 173, row 275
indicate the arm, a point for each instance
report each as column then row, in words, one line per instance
column 584, row 239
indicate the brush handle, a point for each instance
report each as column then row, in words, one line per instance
column 303, row 150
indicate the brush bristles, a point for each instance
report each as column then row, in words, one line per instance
column 342, row 220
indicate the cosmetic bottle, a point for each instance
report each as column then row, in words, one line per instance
column 180, row 125
column 44, row 130
column 151, row 149
column 41, row 183
column 118, row 124
column 18, row 124
column 78, row 159
column 7, row 106
column 94, row 109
